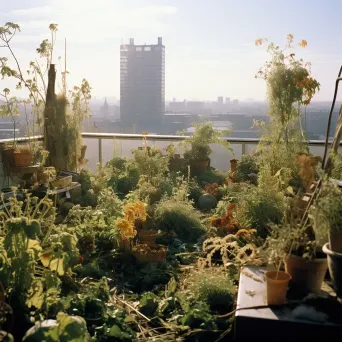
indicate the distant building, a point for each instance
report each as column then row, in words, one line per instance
column 177, row 106
column 227, row 100
column 235, row 102
column 220, row 99
column 104, row 110
column 142, row 84
column 194, row 106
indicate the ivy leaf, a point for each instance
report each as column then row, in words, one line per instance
column 35, row 295
column 171, row 287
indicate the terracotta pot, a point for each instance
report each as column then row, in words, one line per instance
column 147, row 237
column 335, row 241
column 335, row 268
column 307, row 276
column 22, row 159
column 277, row 284
column 199, row 166
column 233, row 165
column 125, row 245
column 138, row 224
column 146, row 254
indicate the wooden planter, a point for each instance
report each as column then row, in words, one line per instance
column 147, row 237
column 146, row 254
column 22, row 159
column 61, row 182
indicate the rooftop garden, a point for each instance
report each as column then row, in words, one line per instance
column 150, row 248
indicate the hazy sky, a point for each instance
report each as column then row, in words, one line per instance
column 210, row 47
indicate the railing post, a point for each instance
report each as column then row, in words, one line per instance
column 100, row 151
column 243, row 147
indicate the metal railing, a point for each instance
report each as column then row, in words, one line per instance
column 96, row 153
column 244, row 142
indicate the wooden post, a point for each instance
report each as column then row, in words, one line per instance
column 50, row 103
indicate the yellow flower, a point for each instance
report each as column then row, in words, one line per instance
column 140, row 208
column 129, row 212
column 126, row 228
column 133, row 211
column 258, row 41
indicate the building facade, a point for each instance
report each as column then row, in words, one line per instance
column 142, row 85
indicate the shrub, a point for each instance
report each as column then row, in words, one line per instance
column 179, row 217
column 211, row 177
column 246, row 166
column 213, row 288
column 195, row 192
column 260, row 208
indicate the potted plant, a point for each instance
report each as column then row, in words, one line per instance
column 303, row 262
column 277, row 280
column 176, row 163
column 327, row 217
column 146, row 254
column 226, row 224
column 232, row 171
column 23, row 156
column 148, row 236
column 45, row 174
column 134, row 215
column 7, row 154
column 198, row 149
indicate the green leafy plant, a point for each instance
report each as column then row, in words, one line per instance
column 64, row 328
column 213, row 287
column 326, row 212
column 180, row 217
column 260, row 208
column 245, row 167
column 198, row 145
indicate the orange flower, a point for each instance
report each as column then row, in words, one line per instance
column 303, row 43
column 232, row 206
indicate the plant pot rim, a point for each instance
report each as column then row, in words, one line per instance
column 328, row 251
column 316, row 260
column 200, row 159
column 148, row 231
column 279, row 272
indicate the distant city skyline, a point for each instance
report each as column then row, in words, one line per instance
column 210, row 45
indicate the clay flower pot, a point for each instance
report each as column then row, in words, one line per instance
column 277, row 284
column 146, row 254
column 233, row 165
column 22, row 158
column 8, row 156
column 307, row 275
column 138, row 223
column 147, row 237
column 199, row 166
